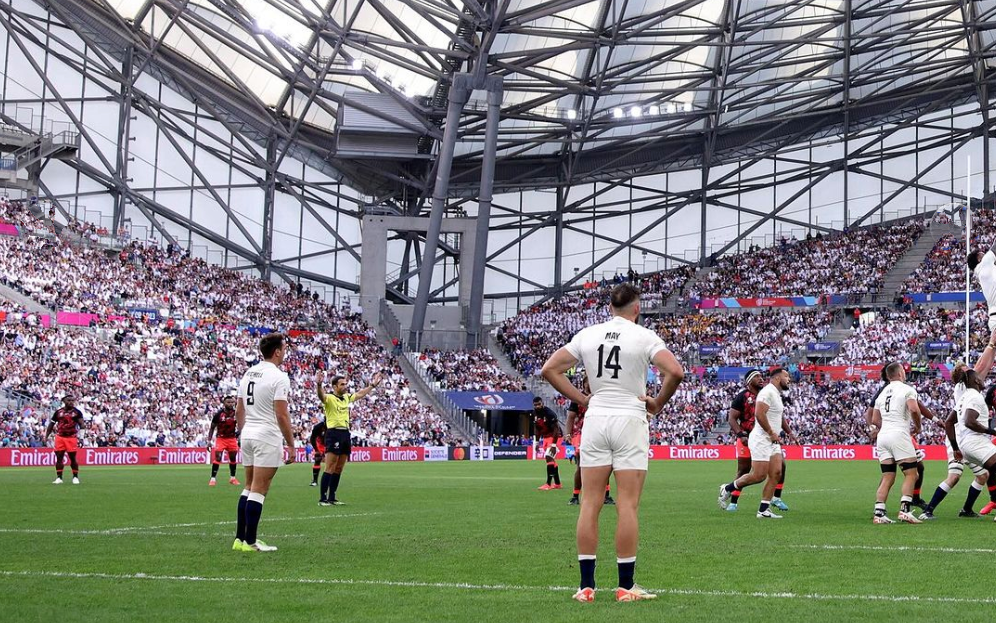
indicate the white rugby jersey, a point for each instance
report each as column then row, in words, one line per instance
column 985, row 272
column 892, row 405
column 261, row 385
column 616, row 355
column 771, row 396
column 974, row 400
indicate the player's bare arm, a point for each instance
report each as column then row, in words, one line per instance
column 240, row 414
column 363, row 393
column 319, row 378
column 671, row 376
column 914, row 407
column 761, row 419
column 949, row 430
column 925, row 410
column 985, row 363
column 972, row 423
column 733, row 417
column 554, row 371
column 283, row 421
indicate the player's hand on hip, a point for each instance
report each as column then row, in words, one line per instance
column 773, row 436
column 652, row 407
column 958, row 456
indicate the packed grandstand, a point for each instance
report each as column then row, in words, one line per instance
column 154, row 318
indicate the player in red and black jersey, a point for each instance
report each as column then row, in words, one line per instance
column 547, row 426
column 66, row 422
column 741, row 418
column 575, row 422
column 225, row 423
column 318, row 443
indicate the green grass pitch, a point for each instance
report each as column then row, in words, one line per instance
column 476, row 542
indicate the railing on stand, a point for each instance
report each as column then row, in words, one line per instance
column 455, row 413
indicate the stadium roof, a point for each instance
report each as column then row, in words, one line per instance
column 592, row 89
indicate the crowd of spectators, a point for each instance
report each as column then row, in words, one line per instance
column 943, row 269
column 461, row 370
column 158, row 379
column 851, row 262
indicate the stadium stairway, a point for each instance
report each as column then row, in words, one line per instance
column 910, row 260
column 678, row 301
column 536, row 385
column 25, row 301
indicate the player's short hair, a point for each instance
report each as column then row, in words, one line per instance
column 971, row 376
column 776, row 371
column 973, row 259
column 623, row 295
column 892, row 370
column 537, row 399
column 270, row 343
column 336, row 379
column 68, row 397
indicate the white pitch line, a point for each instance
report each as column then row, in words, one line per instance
column 899, row 548
column 145, row 533
column 226, row 523
column 497, row 587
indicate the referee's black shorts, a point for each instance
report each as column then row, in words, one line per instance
column 338, row 441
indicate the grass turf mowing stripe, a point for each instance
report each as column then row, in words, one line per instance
column 899, row 548
column 496, row 587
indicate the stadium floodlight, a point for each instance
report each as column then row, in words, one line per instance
column 618, row 113
column 273, row 21
column 671, row 108
column 635, row 111
column 688, row 107
column 572, row 114
column 357, row 64
column 654, row 110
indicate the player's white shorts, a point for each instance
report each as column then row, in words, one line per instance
column 992, row 321
column 618, row 440
column 761, row 447
column 258, row 453
column 958, row 467
column 977, row 449
column 895, row 445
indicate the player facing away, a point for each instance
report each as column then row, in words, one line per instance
column 317, row 441
column 956, row 466
column 338, row 443
column 764, row 442
column 983, row 265
column 575, row 422
column 547, row 427
column 263, row 416
column 896, row 408
column 616, row 439
column 972, row 441
column 66, row 422
column 224, row 422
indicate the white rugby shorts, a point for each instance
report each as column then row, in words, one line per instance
column 977, row 449
column 622, row 441
column 895, row 445
column 258, row 453
column 761, row 447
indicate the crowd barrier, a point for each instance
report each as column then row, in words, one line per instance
column 44, row 457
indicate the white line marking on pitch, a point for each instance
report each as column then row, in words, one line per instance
column 145, row 533
column 496, row 587
column 900, row 548
column 225, row 523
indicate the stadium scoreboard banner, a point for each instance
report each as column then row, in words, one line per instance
column 45, row 457
column 492, row 401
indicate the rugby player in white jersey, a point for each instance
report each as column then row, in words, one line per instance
column 974, row 431
column 983, row 265
column 264, row 419
column 616, row 355
column 956, row 466
column 896, row 408
column 765, row 446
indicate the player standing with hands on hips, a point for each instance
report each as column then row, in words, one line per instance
column 264, row 418
column 616, row 355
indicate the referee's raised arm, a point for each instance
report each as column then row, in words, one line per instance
column 319, row 377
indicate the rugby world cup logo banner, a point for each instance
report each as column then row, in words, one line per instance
column 492, row 401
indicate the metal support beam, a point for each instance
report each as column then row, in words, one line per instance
column 495, row 93
column 459, row 94
column 269, row 197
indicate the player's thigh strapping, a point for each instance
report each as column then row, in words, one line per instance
column 257, row 453
column 617, row 440
column 958, row 467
